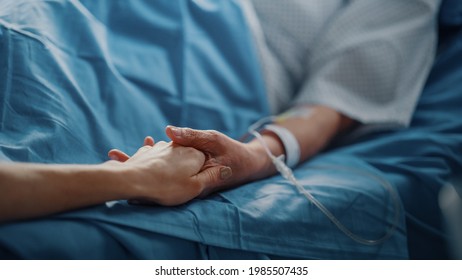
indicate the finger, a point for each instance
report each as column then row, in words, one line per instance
column 214, row 177
column 118, row 155
column 148, row 141
column 203, row 140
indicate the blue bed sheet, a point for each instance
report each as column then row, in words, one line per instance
column 87, row 76
column 81, row 77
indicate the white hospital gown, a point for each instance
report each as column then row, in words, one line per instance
column 365, row 58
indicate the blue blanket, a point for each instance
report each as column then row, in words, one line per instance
column 79, row 78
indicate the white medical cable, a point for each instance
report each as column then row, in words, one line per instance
column 287, row 174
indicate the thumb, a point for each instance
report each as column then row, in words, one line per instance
column 213, row 177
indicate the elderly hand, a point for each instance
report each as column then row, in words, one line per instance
column 227, row 161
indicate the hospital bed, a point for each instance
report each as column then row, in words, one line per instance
column 78, row 78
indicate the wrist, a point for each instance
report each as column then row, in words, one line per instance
column 121, row 179
column 262, row 162
column 289, row 143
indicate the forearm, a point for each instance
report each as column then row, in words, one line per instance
column 313, row 132
column 31, row 190
column 317, row 129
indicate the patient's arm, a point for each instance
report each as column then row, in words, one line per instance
column 31, row 190
column 248, row 161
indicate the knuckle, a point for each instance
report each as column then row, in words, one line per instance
column 144, row 148
column 190, row 133
column 202, row 138
column 212, row 176
column 213, row 132
column 213, row 135
column 161, row 144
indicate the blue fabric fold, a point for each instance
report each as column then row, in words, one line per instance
column 451, row 13
column 80, row 77
column 99, row 75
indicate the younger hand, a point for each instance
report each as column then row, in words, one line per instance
column 164, row 173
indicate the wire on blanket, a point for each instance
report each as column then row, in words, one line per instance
column 288, row 174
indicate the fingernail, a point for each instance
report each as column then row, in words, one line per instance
column 225, row 173
column 114, row 157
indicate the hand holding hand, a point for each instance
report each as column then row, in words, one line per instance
column 164, row 173
column 227, row 161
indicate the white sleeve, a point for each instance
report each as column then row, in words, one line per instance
column 372, row 60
